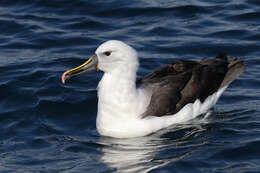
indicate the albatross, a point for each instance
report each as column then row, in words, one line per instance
column 174, row 93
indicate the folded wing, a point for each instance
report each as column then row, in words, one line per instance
column 179, row 83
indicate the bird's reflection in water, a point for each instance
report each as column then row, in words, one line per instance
column 144, row 154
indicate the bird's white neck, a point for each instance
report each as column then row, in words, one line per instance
column 118, row 99
column 118, row 87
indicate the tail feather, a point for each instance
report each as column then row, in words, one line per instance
column 236, row 67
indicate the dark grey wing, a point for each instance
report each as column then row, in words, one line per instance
column 167, row 70
column 205, row 81
column 166, row 94
column 177, row 84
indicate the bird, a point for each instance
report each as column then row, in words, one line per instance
column 173, row 93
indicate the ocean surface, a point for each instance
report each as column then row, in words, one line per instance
column 46, row 126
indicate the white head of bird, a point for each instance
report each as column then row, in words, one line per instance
column 115, row 54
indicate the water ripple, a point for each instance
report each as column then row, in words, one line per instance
column 50, row 127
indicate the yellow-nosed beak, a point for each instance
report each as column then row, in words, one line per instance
column 90, row 65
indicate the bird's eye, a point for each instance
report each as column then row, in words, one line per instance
column 107, row 53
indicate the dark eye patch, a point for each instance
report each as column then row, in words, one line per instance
column 107, row 53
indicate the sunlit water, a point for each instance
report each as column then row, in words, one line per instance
column 50, row 127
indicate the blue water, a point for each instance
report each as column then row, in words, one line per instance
column 46, row 126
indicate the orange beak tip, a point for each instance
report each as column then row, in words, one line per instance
column 63, row 77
